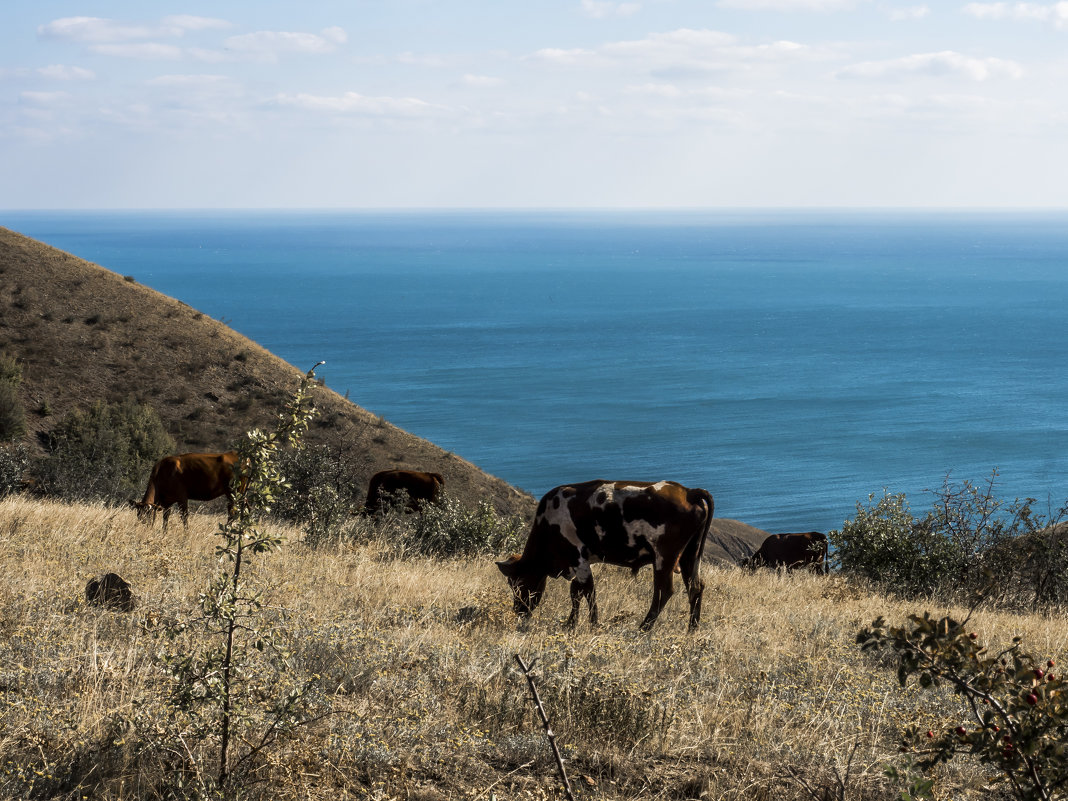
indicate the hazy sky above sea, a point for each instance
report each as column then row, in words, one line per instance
column 553, row 103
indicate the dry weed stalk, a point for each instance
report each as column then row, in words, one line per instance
column 545, row 724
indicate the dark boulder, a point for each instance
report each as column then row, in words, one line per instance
column 111, row 592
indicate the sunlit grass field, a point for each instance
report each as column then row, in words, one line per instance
column 414, row 689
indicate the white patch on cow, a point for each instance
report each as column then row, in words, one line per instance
column 641, row 535
column 609, row 493
column 650, row 533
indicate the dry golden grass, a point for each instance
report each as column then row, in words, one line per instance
column 413, row 660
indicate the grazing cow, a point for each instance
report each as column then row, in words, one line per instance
column 790, row 551
column 626, row 523
column 183, row 478
column 420, row 487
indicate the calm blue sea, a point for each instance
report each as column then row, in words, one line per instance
column 790, row 362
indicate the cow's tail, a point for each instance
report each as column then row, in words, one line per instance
column 696, row 546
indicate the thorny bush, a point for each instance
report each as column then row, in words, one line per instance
column 1017, row 706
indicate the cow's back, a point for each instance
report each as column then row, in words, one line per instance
column 192, row 476
column 419, row 486
column 789, row 550
column 619, row 522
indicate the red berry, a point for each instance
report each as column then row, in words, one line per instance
column 1050, row 677
column 974, row 636
column 1031, row 698
column 961, row 731
column 1039, row 673
column 930, row 735
column 1050, row 663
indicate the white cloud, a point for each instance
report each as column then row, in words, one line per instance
column 187, row 22
column 1057, row 13
column 95, row 29
column 905, row 13
column 100, row 30
column 43, row 99
column 945, row 63
column 61, row 72
column 484, row 81
column 355, row 103
column 788, row 5
column 270, row 44
column 555, row 55
column 601, row 9
column 685, row 52
column 182, row 81
column 150, row 51
column 655, row 90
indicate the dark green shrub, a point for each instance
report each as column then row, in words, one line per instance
column 104, row 452
column 12, row 413
column 322, row 492
column 886, row 544
column 14, row 462
column 1017, row 707
column 448, row 528
column 10, row 370
column 970, row 541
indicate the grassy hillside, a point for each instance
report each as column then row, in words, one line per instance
column 85, row 334
column 413, row 689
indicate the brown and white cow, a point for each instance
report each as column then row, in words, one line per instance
column 626, row 523
column 420, row 487
column 183, row 478
column 790, row 551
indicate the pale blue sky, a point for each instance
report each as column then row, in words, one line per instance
column 555, row 103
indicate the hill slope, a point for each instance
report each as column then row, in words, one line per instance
column 84, row 334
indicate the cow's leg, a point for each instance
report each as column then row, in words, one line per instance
column 582, row 587
column 183, row 509
column 695, row 589
column 662, row 591
column 579, row 590
column 166, row 517
column 689, row 564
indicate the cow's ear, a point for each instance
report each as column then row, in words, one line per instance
column 510, row 565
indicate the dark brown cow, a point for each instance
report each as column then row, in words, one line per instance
column 183, row 478
column 626, row 523
column 790, row 551
column 420, row 487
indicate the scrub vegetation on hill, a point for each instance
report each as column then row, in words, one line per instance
column 80, row 337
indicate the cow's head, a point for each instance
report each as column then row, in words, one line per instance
column 146, row 512
column 527, row 587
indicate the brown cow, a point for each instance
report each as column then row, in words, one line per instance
column 420, row 487
column 183, row 478
column 790, row 551
column 626, row 523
